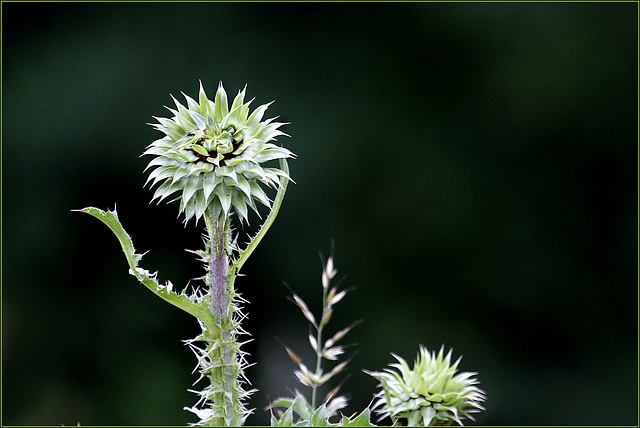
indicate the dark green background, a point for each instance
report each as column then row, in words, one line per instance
column 475, row 165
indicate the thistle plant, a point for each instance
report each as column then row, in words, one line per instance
column 212, row 157
column 430, row 394
column 216, row 161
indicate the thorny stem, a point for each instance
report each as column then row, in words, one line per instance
column 219, row 269
column 224, row 400
column 226, row 370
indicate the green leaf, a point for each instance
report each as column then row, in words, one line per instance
column 110, row 218
column 318, row 419
column 287, row 418
column 202, row 312
column 273, row 421
column 302, row 407
column 362, row 420
column 299, row 405
column 244, row 255
column 283, row 402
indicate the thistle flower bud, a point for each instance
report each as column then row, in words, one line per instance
column 430, row 394
column 211, row 155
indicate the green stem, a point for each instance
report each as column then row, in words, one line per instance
column 319, row 348
column 224, row 379
column 226, row 402
column 244, row 255
column 218, row 268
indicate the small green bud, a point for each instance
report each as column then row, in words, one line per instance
column 212, row 156
column 430, row 394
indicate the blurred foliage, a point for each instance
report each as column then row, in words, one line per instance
column 475, row 164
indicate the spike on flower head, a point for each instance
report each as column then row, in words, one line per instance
column 430, row 394
column 212, row 156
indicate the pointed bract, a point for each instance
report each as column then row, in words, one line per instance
column 210, row 154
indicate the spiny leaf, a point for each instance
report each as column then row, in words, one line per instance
column 318, row 419
column 110, row 218
column 362, row 420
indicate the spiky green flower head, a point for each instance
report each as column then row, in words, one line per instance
column 212, row 155
column 430, row 394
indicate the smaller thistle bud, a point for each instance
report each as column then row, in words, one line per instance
column 430, row 394
column 212, row 156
